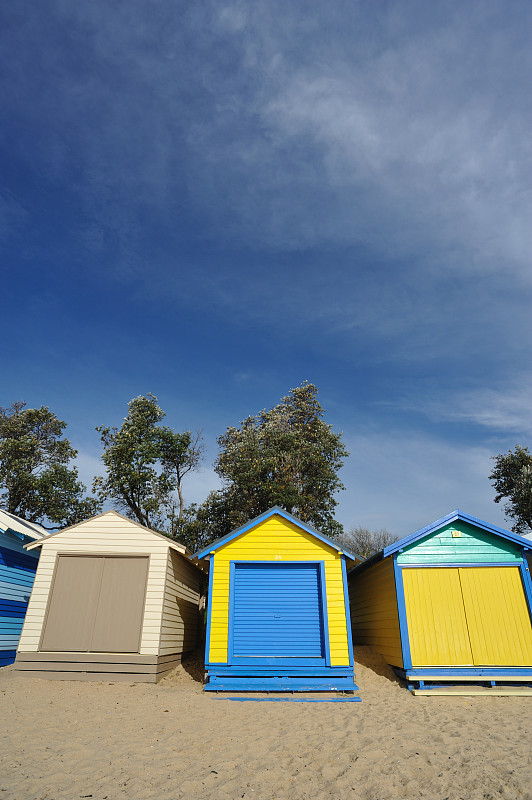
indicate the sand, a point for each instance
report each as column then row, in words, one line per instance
column 68, row 739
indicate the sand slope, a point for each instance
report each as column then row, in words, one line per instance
column 111, row 741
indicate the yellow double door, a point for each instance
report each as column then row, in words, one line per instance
column 467, row 616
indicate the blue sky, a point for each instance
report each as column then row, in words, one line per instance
column 215, row 201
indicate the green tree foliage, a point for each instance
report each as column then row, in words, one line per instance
column 38, row 483
column 365, row 542
column 512, row 480
column 181, row 453
column 200, row 525
column 287, row 456
column 145, row 465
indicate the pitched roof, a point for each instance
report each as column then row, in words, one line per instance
column 261, row 518
column 454, row 516
column 13, row 523
column 170, row 542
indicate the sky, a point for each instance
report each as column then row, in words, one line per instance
column 215, row 201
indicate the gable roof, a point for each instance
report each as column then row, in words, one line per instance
column 454, row 516
column 275, row 510
column 170, row 542
column 20, row 526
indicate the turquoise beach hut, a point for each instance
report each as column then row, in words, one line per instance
column 452, row 602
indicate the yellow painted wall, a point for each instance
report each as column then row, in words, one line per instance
column 374, row 615
column 467, row 616
column 497, row 616
column 437, row 625
column 267, row 541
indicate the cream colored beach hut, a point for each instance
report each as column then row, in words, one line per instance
column 112, row 600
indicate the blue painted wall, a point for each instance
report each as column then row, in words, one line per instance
column 17, row 573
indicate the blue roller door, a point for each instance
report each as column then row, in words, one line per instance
column 277, row 612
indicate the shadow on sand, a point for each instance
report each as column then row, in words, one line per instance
column 369, row 658
column 194, row 665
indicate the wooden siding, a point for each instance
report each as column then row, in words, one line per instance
column 497, row 615
column 108, row 534
column 374, row 615
column 467, row 616
column 17, row 573
column 437, row 623
column 473, row 545
column 180, row 620
column 96, row 604
column 96, row 667
column 277, row 539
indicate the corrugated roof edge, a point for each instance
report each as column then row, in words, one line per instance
column 260, row 518
column 171, row 542
column 434, row 526
column 9, row 521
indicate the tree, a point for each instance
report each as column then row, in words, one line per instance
column 202, row 524
column 287, row 456
column 145, row 464
column 512, row 479
column 365, row 542
column 39, row 485
column 181, row 453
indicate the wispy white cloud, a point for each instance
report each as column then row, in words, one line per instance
column 503, row 410
column 364, row 169
column 398, row 131
column 402, row 481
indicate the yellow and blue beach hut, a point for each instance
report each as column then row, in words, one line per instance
column 452, row 602
column 278, row 609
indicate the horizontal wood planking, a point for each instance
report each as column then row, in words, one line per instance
column 180, row 617
column 87, row 666
column 497, row 691
column 278, row 537
column 110, row 658
column 17, row 574
column 472, row 545
column 96, row 667
column 374, row 614
column 115, row 537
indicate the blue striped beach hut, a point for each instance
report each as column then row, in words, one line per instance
column 17, row 573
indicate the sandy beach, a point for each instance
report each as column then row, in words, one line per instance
column 67, row 739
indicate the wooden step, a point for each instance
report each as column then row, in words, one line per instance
column 468, row 691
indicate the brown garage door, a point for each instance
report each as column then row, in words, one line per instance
column 96, row 604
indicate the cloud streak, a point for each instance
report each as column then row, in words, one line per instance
column 403, row 143
column 404, row 480
column 504, row 411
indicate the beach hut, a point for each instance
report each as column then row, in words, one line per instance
column 278, row 610
column 451, row 602
column 17, row 572
column 112, row 600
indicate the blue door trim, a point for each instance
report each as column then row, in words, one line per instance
column 209, row 609
column 348, row 615
column 322, row 588
column 279, row 661
column 401, row 608
column 463, row 564
column 527, row 583
column 230, row 638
